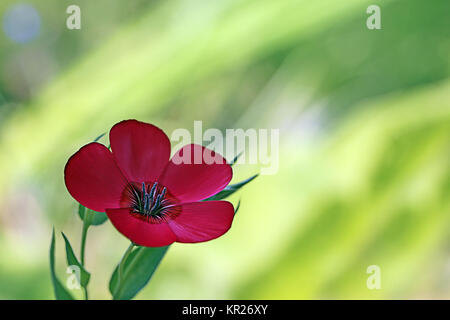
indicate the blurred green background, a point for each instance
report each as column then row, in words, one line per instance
column 364, row 119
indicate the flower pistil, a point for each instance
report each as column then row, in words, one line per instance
column 150, row 202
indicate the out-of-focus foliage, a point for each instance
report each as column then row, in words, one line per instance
column 364, row 116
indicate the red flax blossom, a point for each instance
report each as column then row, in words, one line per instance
column 151, row 199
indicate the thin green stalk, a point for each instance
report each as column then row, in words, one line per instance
column 83, row 238
column 86, row 225
column 86, row 294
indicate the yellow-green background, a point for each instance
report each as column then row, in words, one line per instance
column 364, row 119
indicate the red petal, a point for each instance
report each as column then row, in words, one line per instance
column 139, row 231
column 189, row 181
column 202, row 221
column 141, row 150
column 93, row 178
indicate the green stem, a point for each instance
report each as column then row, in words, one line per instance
column 86, row 294
column 83, row 238
column 83, row 245
column 122, row 262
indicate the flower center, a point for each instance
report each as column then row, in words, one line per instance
column 151, row 202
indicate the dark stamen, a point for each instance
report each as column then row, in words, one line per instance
column 146, row 203
column 157, row 202
column 152, row 191
column 150, row 204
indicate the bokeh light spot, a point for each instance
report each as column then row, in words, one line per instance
column 21, row 23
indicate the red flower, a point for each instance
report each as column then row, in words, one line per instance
column 150, row 199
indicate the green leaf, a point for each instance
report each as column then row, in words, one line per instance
column 81, row 211
column 230, row 189
column 60, row 292
column 235, row 159
column 237, row 207
column 73, row 261
column 115, row 276
column 99, row 137
column 95, row 218
column 98, row 218
column 138, row 270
